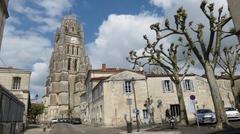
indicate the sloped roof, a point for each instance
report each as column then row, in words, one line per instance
column 126, row 75
column 11, row 69
column 166, row 75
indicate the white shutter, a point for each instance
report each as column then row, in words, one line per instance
column 163, row 86
column 184, row 85
column 191, row 85
column 171, row 86
column 124, row 90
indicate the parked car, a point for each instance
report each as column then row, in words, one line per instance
column 61, row 120
column 54, row 120
column 206, row 116
column 76, row 121
column 232, row 113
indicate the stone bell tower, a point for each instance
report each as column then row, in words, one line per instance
column 68, row 65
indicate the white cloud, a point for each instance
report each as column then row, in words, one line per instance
column 38, row 78
column 117, row 36
column 162, row 3
column 54, row 8
column 47, row 13
column 28, row 47
column 23, row 49
column 195, row 14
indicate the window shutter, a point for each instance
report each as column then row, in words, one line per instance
column 171, row 86
column 131, row 86
column 191, row 84
column 163, row 87
column 184, row 85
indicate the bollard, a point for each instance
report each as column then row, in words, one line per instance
column 129, row 127
column 44, row 129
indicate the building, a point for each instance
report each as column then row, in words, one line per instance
column 94, row 77
column 162, row 89
column 3, row 16
column 110, row 102
column 17, row 82
column 68, row 66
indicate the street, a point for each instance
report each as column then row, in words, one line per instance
column 64, row 128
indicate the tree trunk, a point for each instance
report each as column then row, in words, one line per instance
column 216, row 97
column 235, row 94
column 183, row 112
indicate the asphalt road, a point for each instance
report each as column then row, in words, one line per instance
column 64, row 128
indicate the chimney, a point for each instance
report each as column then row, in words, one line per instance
column 104, row 67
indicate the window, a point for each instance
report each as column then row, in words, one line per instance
column 188, row 85
column 69, row 63
column 72, row 49
column 167, row 86
column 67, row 49
column 145, row 113
column 72, row 29
column 16, row 83
column 75, row 65
column 66, row 29
column 175, row 110
column 128, row 86
column 77, row 50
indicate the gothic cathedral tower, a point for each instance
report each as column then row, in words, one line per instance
column 68, row 66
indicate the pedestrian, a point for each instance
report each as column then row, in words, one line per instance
column 167, row 114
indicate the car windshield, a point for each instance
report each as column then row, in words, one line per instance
column 204, row 111
column 230, row 109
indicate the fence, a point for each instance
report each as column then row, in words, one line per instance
column 11, row 113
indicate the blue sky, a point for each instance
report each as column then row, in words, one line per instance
column 112, row 28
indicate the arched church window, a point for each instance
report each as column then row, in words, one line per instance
column 67, row 49
column 77, row 50
column 72, row 49
column 69, row 63
column 75, row 65
column 66, row 29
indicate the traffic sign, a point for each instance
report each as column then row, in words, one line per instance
column 192, row 97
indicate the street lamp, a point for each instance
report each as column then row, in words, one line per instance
column 135, row 101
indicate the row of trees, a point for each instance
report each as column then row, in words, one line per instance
column 193, row 41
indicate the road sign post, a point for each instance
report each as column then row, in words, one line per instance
column 193, row 101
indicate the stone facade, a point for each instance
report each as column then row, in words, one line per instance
column 68, row 66
column 192, row 85
column 3, row 16
column 17, row 82
column 94, row 76
column 110, row 95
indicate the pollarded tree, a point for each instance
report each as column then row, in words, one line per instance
column 169, row 60
column 206, row 49
column 229, row 62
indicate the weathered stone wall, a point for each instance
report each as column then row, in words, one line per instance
column 67, row 63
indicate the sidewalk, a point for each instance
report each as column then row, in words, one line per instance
column 155, row 129
column 156, row 132
column 36, row 129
